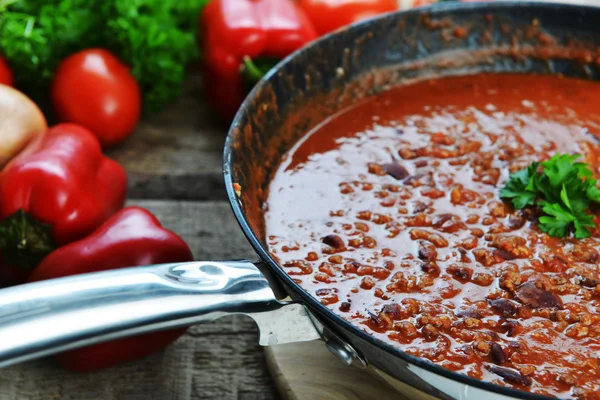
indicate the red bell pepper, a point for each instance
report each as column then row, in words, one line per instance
column 130, row 238
column 11, row 275
column 238, row 36
column 57, row 190
column 6, row 75
column 329, row 15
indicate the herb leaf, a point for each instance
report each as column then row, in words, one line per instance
column 518, row 187
column 559, row 167
column 593, row 193
column 563, row 189
column 557, row 222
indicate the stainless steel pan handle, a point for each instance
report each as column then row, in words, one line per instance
column 43, row 318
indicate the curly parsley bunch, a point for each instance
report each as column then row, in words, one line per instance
column 156, row 38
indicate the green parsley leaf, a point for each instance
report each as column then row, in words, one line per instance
column 557, row 222
column 583, row 222
column 559, row 167
column 593, row 193
column 518, row 187
column 563, row 190
column 564, row 196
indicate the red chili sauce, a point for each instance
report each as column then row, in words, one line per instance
column 389, row 213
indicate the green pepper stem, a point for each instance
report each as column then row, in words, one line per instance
column 251, row 71
column 24, row 241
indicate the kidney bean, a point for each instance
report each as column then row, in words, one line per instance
column 470, row 312
column 334, row 241
column 497, row 354
column 448, row 223
column 427, row 252
column 419, row 206
column 531, row 295
column 460, row 272
column 504, row 306
column 396, row 171
column 510, row 375
column 393, row 310
column 503, row 254
column 515, row 222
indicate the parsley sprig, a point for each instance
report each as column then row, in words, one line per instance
column 563, row 189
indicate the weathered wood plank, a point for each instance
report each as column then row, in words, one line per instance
column 220, row 361
column 176, row 154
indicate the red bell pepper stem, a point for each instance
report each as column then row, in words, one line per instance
column 132, row 237
column 251, row 70
column 25, row 241
column 233, row 30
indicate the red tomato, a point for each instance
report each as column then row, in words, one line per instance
column 94, row 89
column 6, row 76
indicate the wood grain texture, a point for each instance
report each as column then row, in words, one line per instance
column 308, row 371
column 178, row 153
column 216, row 361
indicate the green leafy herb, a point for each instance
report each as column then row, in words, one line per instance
column 562, row 188
column 518, row 187
column 25, row 242
column 156, row 38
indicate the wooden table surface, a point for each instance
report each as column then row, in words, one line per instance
column 174, row 162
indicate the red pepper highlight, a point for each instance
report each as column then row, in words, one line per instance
column 330, row 15
column 132, row 237
column 57, row 190
column 235, row 31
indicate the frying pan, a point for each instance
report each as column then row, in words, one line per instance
column 47, row 317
